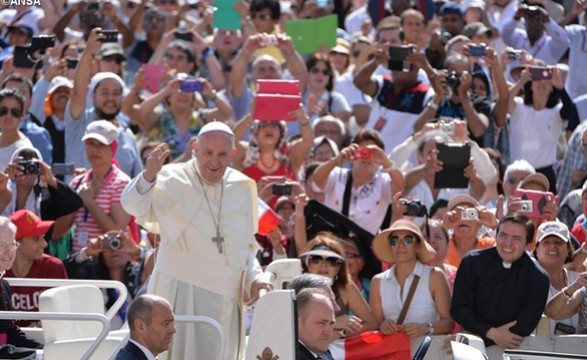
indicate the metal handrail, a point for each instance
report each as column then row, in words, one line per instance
column 212, row 323
column 9, row 315
column 50, row 283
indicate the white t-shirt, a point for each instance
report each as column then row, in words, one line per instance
column 6, row 152
column 368, row 202
column 345, row 86
column 534, row 134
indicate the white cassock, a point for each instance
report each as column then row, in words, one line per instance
column 189, row 270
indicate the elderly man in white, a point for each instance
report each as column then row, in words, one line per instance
column 206, row 214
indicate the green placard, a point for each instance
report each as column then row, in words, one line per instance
column 309, row 35
column 225, row 17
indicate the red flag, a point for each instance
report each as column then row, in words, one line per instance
column 268, row 219
column 374, row 345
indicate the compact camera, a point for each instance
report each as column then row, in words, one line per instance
column 526, row 206
column 42, row 42
column 363, row 152
column 111, row 36
column 448, row 128
column 453, row 79
column 29, row 167
column 515, row 54
column 190, row 86
column 477, row 50
column 469, row 214
column 282, row 189
column 112, row 241
column 415, row 208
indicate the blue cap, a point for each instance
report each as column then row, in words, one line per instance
column 451, row 8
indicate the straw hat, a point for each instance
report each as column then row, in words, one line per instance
column 382, row 248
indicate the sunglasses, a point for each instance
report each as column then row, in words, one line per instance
column 264, row 17
column 408, row 239
column 13, row 111
column 117, row 59
column 316, row 70
column 317, row 260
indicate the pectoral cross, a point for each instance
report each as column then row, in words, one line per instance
column 219, row 240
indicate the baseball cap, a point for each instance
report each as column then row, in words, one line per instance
column 476, row 29
column 28, row 224
column 467, row 4
column 451, row 8
column 537, row 178
column 102, row 130
column 553, row 228
column 57, row 82
column 21, row 26
column 111, row 49
column 461, row 199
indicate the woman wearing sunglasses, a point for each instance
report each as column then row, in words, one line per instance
column 11, row 114
column 428, row 310
column 319, row 97
column 324, row 256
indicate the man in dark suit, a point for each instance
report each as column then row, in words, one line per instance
column 315, row 324
column 151, row 323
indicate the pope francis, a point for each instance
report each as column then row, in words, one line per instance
column 206, row 214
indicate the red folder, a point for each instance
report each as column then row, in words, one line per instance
column 276, row 99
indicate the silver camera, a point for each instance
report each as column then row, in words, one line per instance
column 448, row 128
column 112, row 241
column 526, row 206
column 470, row 214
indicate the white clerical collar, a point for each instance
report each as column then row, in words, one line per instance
column 145, row 351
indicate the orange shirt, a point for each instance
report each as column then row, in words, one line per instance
column 452, row 256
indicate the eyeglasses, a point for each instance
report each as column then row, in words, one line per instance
column 408, row 239
column 317, row 260
column 13, row 111
column 12, row 246
column 316, row 70
column 263, row 17
column 350, row 255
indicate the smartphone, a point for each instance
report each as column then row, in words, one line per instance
column 539, row 200
column 185, row 36
column 72, row 63
column 154, row 75
column 23, row 59
column 477, row 50
column 63, row 169
column 111, row 36
column 540, row 73
column 397, row 58
column 281, row 189
column 190, row 86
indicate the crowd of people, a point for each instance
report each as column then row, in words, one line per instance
column 450, row 135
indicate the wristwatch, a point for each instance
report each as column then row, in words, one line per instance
column 430, row 328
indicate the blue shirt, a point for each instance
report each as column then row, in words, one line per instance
column 40, row 138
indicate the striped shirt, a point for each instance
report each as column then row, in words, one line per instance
column 87, row 228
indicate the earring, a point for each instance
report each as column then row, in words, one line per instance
column 335, row 277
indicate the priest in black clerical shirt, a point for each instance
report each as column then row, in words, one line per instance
column 500, row 293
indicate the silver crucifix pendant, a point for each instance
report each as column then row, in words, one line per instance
column 219, row 240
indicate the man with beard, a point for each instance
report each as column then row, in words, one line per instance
column 106, row 92
column 543, row 37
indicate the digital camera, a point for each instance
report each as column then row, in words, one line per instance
column 527, row 206
column 415, row 208
column 29, row 167
column 515, row 54
column 477, row 50
column 453, row 79
column 42, row 42
column 363, row 152
column 112, row 241
column 469, row 214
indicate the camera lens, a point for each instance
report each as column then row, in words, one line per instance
column 452, row 79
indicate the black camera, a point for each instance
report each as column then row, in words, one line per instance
column 112, row 241
column 453, row 79
column 415, row 208
column 281, row 189
column 110, row 36
column 42, row 42
column 532, row 11
column 444, row 35
column 184, row 35
column 29, row 167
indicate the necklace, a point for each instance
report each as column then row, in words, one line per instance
column 268, row 167
column 218, row 239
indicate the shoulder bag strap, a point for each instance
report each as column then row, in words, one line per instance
column 402, row 314
column 346, row 197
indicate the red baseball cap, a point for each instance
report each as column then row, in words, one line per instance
column 28, row 224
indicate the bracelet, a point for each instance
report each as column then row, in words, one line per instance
column 432, row 105
column 214, row 96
